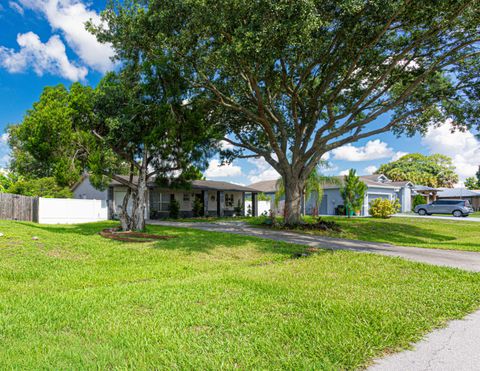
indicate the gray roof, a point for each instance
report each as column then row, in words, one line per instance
column 270, row 186
column 457, row 192
column 206, row 185
column 425, row 188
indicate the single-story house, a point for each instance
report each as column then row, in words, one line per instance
column 379, row 186
column 216, row 198
column 473, row 196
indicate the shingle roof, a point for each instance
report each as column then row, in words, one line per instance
column 457, row 192
column 270, row 186
column 197, row 184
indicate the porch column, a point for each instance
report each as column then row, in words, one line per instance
column 205, row 203
column 243, row 204
column 254, row 204
column 220, row 203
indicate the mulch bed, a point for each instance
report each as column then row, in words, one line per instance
column 117, row 235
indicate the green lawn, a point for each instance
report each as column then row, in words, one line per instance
column 429, row 233
column 73, row 300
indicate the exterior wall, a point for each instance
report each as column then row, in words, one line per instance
column 71, row 211
column 263, row 207
column 86, row 191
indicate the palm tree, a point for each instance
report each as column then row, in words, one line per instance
column 316, row 182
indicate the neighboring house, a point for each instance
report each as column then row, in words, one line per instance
column 217, row 198
column 473, row 196
column 379, row 186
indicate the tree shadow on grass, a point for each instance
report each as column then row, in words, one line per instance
column 396, row 233
column 188, row 240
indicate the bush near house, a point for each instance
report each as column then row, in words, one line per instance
column 418, row 200
column 383, row 208
column 174, row 209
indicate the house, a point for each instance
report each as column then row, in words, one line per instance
column 379, row 186
column 216, row 198
column 473, row 196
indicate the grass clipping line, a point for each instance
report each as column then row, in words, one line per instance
column 117, row 235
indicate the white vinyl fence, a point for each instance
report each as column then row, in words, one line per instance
column 263, row 207
column 71, row 211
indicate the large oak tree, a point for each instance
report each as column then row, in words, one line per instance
column 293, row 80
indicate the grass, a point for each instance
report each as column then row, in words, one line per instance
column 74, row 300
column 417, row 232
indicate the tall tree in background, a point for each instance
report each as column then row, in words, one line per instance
column 473, row 182
column 134, row 120
column 293, row 80
column 42, row 143
column 433, row 171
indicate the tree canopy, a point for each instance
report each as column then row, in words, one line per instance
column 433, row 171
column 292, row 80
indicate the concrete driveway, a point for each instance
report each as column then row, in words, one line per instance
column 466, row 260
column 441, row 217
column 455, row 347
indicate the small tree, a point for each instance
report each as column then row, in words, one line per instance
column 353, row 192
column 174, row 209
column 418, row 200
column 197, row 207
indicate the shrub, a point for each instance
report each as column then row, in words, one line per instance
column 418, row 200
column 238, row 209
column 174, row 209
column 197, row 208
column 383, row 208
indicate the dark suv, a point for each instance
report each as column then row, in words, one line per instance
column 457, row 208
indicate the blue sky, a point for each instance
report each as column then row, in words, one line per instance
column 43, row 42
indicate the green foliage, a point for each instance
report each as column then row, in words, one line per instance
column 238, row 209
column 263, row 197
column 41, row 187
column 197, row 207
column 292, row 80
column 433, row 171
column 418, row 200
column 174, row 209
column 353, row 192
column 472, row 183
column 383, row 208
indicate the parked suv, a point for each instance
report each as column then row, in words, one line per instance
column 457, row 208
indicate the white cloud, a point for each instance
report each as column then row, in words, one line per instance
column 224, row 145
column 262, row 171
column 4, row 151
column 69, row 17
column 343, row 172
column 398, row 155
column 462, row 147
column 13, row 5
column 49, row 57
column 217, row 170
column 369, row 170
column 372, row 150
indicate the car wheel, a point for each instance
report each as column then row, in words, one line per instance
column 422, row 212
column 457, row 214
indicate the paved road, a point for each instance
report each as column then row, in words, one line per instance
column 456, row 347
column 457, row 259
column 444, row 217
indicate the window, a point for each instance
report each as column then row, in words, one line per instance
column 228, row 200
column 186, row 197
column 160, row 201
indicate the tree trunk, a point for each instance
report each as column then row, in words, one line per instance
column 138, row 212
column 125, row 220
column 293, row 201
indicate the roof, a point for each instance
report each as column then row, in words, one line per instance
column 425, row 188
column 206, row 185
column 266, row 186
column 270, row 186
column 457, row 192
